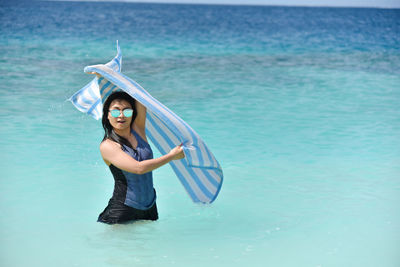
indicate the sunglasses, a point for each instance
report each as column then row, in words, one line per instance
column 116, row 112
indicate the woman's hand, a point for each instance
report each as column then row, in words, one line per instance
column 177, row 152
column 98, row 75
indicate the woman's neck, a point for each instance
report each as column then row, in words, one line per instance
column 124, row 132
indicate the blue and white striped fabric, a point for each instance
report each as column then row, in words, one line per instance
column 199, row 172
column 88, row 99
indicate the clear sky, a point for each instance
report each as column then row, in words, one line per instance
column 344, row 3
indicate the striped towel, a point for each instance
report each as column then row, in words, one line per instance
column 199, row 172
column 88, row 99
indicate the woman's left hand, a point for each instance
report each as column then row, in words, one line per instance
column 98, row 75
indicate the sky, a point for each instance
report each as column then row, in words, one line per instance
column 333, row 3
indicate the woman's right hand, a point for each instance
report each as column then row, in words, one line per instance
column 177, row 152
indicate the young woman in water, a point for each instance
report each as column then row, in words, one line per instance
column 126, row 151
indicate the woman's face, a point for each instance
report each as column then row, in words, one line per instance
column 121, row 122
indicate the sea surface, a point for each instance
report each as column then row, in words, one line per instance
column 301, row 107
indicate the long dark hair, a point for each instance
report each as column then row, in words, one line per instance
column 108, row 129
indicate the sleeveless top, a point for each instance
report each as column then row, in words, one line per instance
column 135, row 190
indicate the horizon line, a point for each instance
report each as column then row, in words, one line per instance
column 221, row 4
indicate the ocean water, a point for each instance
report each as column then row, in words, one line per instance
column 299, row 105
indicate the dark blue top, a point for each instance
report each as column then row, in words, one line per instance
column 135, row 190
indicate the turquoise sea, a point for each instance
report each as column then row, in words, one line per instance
column 299, row 105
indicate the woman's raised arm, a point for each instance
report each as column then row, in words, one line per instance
column 140, row 120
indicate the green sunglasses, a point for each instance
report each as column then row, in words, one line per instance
column 116, row 112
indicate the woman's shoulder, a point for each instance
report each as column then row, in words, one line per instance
column 108, row 148
column 108, row 144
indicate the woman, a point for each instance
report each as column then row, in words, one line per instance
column 126, row 151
